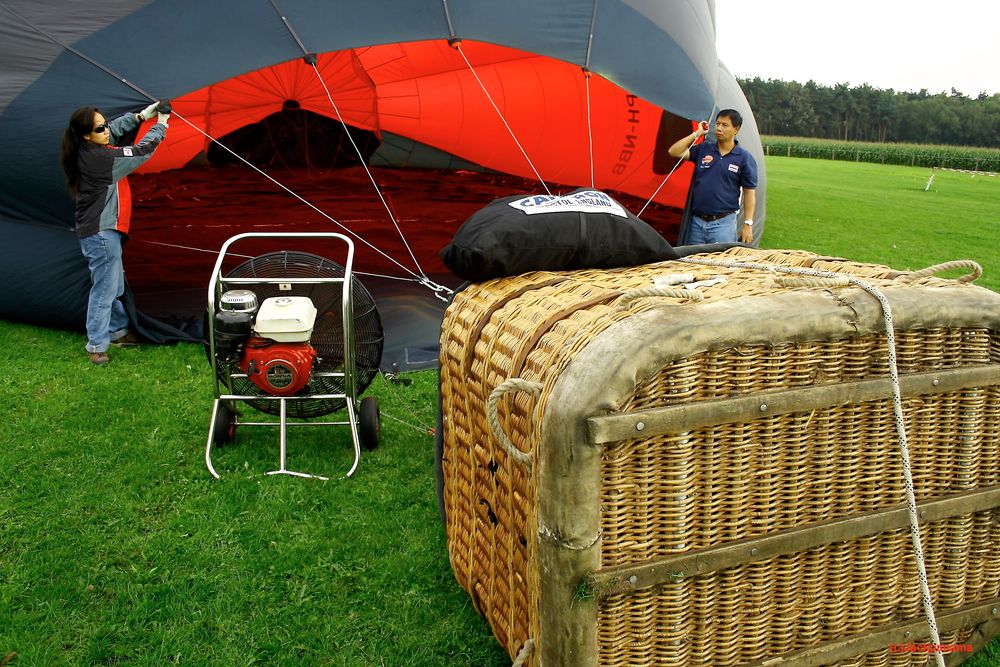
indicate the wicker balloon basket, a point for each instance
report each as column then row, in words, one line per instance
column 720, row 462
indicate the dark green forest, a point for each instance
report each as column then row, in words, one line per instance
column 864, row 113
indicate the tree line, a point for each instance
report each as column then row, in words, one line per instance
column 864, row 113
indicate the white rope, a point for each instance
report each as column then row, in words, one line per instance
column 975, row 271
column 627, row 298
column 439, row 290
column 191, row 248
column 505, row 387
column 236, row 254
column 813, row 281
column 361, row 158
column 294, row 194
column 897, row 404
column 665, row 178
column 662, row 183
column 458, row 46
column 312, row 60
column 382, row 275
column 526, row 651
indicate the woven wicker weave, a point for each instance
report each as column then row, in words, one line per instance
column 704, row 538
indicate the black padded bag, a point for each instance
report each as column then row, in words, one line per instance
column 573, row 231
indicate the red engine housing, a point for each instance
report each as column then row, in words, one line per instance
column 281, row 369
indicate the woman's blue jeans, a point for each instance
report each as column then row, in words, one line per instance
column 106, row 318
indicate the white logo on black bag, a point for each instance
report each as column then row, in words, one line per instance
column 585, row 201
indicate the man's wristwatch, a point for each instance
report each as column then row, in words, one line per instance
column 748, row 221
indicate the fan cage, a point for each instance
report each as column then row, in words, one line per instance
column 328, row 332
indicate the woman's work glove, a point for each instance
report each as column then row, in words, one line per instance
column 162, row 118
column 149, row 112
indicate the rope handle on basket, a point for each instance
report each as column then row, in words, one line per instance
column 975, row 271
column 522, row 656
column 506, row 387
column 807, row 281
column 677, row 292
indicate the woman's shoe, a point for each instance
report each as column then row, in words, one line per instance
column 99, row 358
column 128, row 340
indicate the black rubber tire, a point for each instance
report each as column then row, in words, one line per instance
column 225, row 426
column 369, row 423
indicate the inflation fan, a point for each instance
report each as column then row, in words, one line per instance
column 295, row 335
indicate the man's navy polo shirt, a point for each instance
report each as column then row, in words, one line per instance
column 718, row 179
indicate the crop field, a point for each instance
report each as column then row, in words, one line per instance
column 910, row 155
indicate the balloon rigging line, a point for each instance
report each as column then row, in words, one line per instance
column 664, row 181
column 400, row 278
column 590, row 131
column 236, row 254
column 457, row 44
column 289, row 27
column 294, row 194
column 191, row 248
column 586, row 74
column 590, row 36
column 657, row 191
column 422, row 279
column 447, row 17
column 311, row 59
column 378, row 190
column 79, row 54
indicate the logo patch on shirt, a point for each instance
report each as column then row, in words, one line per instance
column 734, row 168
column 127, row 151
column 707, row 161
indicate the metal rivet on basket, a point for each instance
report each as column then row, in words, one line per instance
column 754, row 551
column 633, row 580
column 936, row 382
column 763, row 407
column 640, row 425
column 907, row 634
column 994, row 611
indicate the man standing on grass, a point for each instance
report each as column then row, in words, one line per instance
column 723, row 170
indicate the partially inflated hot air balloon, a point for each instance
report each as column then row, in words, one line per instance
column 390, row 120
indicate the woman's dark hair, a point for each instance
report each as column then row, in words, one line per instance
column 80, row 123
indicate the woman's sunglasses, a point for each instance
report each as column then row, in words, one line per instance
column 100, row 128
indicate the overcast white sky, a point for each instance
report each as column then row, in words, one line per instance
column 900, row 44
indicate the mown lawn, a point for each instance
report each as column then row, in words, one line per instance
column 117, row 547
column 876, row 213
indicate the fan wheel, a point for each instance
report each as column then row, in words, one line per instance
column 369, row 423
column 224, row 427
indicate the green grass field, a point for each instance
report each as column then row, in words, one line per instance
column 881, row 214
column 117, row 548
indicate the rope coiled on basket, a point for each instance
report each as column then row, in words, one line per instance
column 677, row 292
column 506, row 387
column 975, row 271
